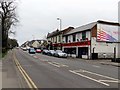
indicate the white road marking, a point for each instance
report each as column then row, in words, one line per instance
column 109, row 81
column 96, row 74
column 57, row 64
column 89, row 78
column 64, row 65
column 60, row 64
column 96, row 66
column 53, row 64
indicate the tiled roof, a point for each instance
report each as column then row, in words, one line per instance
column 82, row 28
column 90, row 26
column 57, row 32
column 53, row 33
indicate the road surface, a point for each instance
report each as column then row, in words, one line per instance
column 52, row 72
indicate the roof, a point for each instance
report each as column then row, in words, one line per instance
column 82, row 28
column 57, row 32
column 90, row 26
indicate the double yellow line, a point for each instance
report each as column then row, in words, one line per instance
column 29, row 81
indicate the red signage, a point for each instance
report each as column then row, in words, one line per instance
column 57, row 45
column 72, row 44
column 77, row 43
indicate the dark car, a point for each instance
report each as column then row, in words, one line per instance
column 32, row 51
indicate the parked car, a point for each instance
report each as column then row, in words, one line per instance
column 60, row 53
column 51, row 52
column 17, row 47
column 24, row 48
column 45, row 51
column 32, row 51
column 38, row 50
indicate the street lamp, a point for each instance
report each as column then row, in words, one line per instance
column 61, row 32
column 60, row 22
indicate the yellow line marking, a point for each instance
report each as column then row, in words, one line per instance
column 29, row 81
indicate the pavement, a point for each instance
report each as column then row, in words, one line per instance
column 11, row 78
column 0, row 74
column 101, row 61
column 110, row 63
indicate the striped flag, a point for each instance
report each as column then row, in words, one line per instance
column 103, row 36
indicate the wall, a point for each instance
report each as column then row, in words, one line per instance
column 103, row 48
column 36, row 44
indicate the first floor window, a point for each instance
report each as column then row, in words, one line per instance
column 83, row 35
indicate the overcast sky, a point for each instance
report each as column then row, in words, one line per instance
column 38, row 17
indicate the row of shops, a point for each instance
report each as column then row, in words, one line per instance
column 91, row 41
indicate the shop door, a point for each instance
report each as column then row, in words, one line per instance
column 82, row 51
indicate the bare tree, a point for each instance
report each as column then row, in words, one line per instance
column 8, row 18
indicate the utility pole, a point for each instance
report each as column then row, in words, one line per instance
column 60, row 20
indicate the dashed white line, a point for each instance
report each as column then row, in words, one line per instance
column 96, row 66
column 53, row 64
column 61, row 64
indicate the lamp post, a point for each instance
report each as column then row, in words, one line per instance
column 60, row 30
column 60, row 23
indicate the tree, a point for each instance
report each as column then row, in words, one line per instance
column 12, row 43
column 8, row 18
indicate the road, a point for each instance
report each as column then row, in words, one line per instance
column 51, row 72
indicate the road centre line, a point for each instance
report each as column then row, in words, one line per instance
column 96, row 66
column 28, row 80
column 61, row 64
column 53, row 64
column 89, row 78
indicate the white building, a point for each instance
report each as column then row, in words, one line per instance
column 56, row 37
column 95, row 40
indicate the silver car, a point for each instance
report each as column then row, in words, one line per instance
column 51, row 52
column 45, row 51
column 60, row 53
